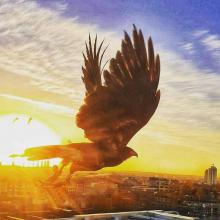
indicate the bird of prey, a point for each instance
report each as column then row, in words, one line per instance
column 118, row 103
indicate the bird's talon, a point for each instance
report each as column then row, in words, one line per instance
column 68, row 179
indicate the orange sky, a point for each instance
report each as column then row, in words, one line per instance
column 41, row 78
column 160, row 145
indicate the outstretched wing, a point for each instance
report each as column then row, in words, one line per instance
column 117, row 108
column 92, row 69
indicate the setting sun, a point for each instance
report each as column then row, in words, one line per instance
column 21, row 131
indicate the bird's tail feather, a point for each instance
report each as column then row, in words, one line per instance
column 53, row 151
column 41, row 153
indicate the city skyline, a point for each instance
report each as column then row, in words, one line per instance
column 48, row 164
column 102, row 192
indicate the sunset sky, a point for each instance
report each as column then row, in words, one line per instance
column 41, row 45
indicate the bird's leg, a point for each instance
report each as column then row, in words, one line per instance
column 58, row 171
column 63, row 164
column 68, row 178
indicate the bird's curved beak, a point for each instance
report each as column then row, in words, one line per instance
column 135, row 154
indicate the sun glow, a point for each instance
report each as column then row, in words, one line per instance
column 17, row 132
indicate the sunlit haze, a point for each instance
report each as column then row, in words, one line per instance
column 19, row 132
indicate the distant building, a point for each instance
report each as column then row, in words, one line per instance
column 206, row 176
column 210, row 176
column 158, row 183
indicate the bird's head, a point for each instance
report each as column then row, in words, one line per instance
column 129, row 152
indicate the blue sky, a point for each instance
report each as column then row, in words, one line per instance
column 179, row 20
column 41, row 43
column 177, row 15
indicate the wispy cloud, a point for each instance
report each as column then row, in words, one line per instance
column 199, row 33
column 41, row 44
column 189, row 95
column 189, row 47
column 51, row 107
column 212, row 42
column 60, row 5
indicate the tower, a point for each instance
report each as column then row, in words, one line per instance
column 210, row 176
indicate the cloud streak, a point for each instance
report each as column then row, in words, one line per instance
column 43, row 45
column 40, row 44
column 211, row 42
column 189, row 95
column 64, row 110
column 189, row 47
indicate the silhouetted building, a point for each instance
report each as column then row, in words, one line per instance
column 158, row 183
column 210, row 176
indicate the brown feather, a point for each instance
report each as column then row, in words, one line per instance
column 129, row 97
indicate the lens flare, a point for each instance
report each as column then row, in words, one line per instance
column 17, row 132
